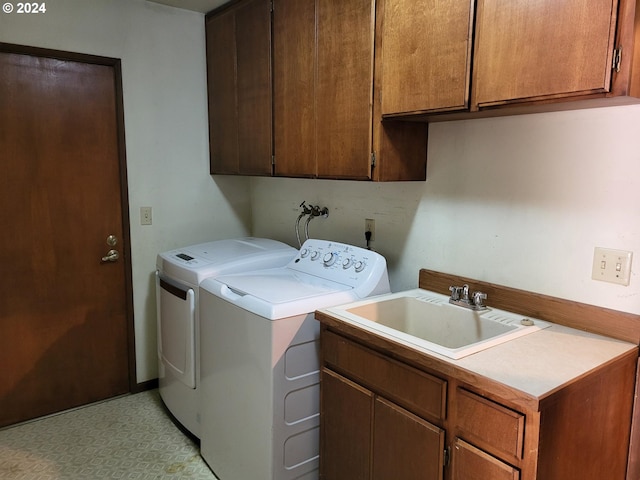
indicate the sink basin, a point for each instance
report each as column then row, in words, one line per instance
column 426, row 320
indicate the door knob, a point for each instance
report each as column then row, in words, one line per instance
column 111, row 256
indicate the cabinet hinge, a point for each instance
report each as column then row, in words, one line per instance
column 447, row 456
column 271, row 3
column 373, row 159
column 273, row 160
column 617, row 58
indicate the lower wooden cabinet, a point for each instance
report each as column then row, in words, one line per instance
column 366, row 436
column 346, row 429
column 383, row 417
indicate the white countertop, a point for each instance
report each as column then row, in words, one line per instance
column 536, row 364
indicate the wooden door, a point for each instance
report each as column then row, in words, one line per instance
column 294, row 94
column 426, row 55
column 239, row 87
column 221, row 84
column 344, row 91
column 345, row 423
column 404, row 445
column 63, row 310
column 542, row 49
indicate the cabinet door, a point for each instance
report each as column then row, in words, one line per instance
column 426, row 55
column 471, row 463
column 294, row 47
column 239, row 89
column 345, row 423
column 405, row 446
column 344, row 88
column 542, row 49
column 253, row 47
column 221, row 68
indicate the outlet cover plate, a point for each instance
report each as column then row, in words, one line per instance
column 612, row 266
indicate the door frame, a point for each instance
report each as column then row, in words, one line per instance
column 115, row 63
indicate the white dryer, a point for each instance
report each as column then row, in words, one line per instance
column 260, row 372
column 178, row 275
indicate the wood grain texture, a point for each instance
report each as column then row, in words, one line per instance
column 633, row 466
column 404, row 445
column 294, row 89
column 426, row 55
column 222, row 94
column 239, row 88
column 253, row 54
column 543, row 48
column 590, row 318
column 344, row 91
column 63, row 313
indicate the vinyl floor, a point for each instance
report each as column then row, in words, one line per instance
column 127, row 438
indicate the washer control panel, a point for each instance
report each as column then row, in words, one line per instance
column 338, row 262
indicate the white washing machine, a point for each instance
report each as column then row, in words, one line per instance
column 260, row 373
column 178, row 275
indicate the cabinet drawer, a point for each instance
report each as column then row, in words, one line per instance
column 417, row 391
column 471, row 463
column 489, row 424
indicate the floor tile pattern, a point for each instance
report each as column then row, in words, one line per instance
column 128, row 438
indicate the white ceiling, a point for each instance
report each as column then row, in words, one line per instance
column 203, row 6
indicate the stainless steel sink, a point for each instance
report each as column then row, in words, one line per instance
column 427, row 320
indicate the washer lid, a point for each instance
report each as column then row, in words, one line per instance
column 281, row 285
column 279, row 293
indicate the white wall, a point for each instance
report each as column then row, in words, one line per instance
column 519, row 201
column 164, row 87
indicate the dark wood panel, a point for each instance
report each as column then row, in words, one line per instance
column 556, row 48
column 294, row 95
column 471, row 463
column 222, row 95
column 490, row 425
column 585, row 427
column 413, row 389
column 253, row 45
column 344, row 88
column 405, row 446
column 64, row 314
column 345, row 422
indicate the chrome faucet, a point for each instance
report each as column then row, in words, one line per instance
column 462, row 297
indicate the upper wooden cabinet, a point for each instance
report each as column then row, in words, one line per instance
column 542, row 49
column 239, row 88
column 541, row 53
column 426, row 55
column 326, row 123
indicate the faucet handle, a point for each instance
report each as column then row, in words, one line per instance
column 455, row 292
column 478, row 297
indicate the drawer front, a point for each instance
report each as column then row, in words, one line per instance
column 489, row 425
column 417, row 391
column 471, row 463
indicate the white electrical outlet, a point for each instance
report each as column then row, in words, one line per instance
column 370, row 226
column 145, row 216
column 612, row 266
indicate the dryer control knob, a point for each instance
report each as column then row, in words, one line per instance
column 315, row 255
column 329, row 259
column 359, row 266
column 347, row 262
column 304, row 252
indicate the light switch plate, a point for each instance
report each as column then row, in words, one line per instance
column 145, row 216
column 612, row 266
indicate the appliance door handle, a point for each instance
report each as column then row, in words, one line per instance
column 174, row 289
